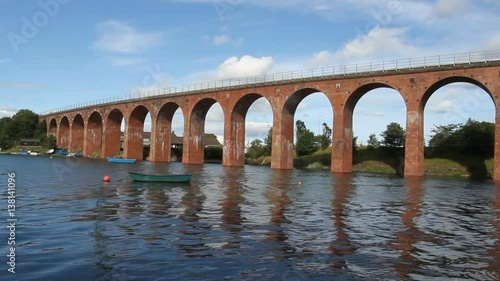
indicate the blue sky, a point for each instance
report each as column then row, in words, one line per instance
column 59, row 52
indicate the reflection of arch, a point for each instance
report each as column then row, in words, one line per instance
column 52, row 128
column 160, row 151
column 231, row 209
column 282, row 151
column 342, row 245
column 77, row 133
column 494, row 250
column 277, row 195
column 64, row 133
column 93, row 137
column 112, row 133
column 407, row 239
column 234, row 138
column 134, row 133
column 194, row 130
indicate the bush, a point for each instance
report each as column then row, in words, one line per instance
column 213, row 153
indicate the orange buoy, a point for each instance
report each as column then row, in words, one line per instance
column 106, row 179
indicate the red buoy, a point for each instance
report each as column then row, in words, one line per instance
column 106, row 179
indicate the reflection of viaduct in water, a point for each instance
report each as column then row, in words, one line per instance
column 494, row 252
column 97, row 126
column 406, row 239
column 278, row 197
column 341, row 246
column 231, row 220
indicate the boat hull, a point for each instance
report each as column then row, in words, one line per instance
column 119, row 160
column 160, row 178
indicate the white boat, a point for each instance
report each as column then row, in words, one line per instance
column 32, row 153
column 50, row 151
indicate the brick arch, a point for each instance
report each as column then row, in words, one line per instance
column 234, row 133
column 93, row 133
column 194, row 130
column 52, row 127
column 362, row 90
column 343, row 121
column 134, row 132
column 283, row 128
column 162, row 128
column 77, row 133
column 449, row 80
column 64, row 132
column 112, row 133
column 442, row 82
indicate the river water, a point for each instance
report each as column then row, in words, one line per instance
column 248, row 223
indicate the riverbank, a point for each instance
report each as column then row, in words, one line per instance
column 383, row 160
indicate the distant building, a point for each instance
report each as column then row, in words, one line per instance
column 30, row 142
column 176, row 141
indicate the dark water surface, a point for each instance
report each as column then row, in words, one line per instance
column 248, row 223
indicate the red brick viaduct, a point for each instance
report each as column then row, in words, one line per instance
column 92, row 127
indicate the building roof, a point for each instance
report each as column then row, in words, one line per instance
column 30, row 140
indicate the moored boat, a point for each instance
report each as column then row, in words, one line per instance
column 120, row 160
column 176, row 178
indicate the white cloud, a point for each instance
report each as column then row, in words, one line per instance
column 362, row 111
column 7, row 111
column 23, row 85
column 451, row 8
column 118, row 37
column 493, row 43
column 443, row 107
column 238, row 42
column 321, row 59
column 243, row 67
column 221, row 39
column 124, row 61
column 215, row 114
column 380, row 43
column 256, row 130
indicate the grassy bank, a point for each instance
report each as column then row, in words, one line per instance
column 383, row 160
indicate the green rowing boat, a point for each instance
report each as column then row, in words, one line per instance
column 159, row 178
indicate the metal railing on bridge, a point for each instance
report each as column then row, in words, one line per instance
column 318, row 73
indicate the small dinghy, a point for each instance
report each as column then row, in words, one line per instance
column 160, row 178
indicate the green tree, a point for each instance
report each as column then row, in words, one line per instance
column 306, row 141
column 477, row 137
column 373, row 142
column 445, row 136
column 325, row 139
column 300, row 128
column 22, row 125
column 268, row 142
column 473, row 137
column 255, row 150
column 48, row 141
column 4, row 142
column 393, row 136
